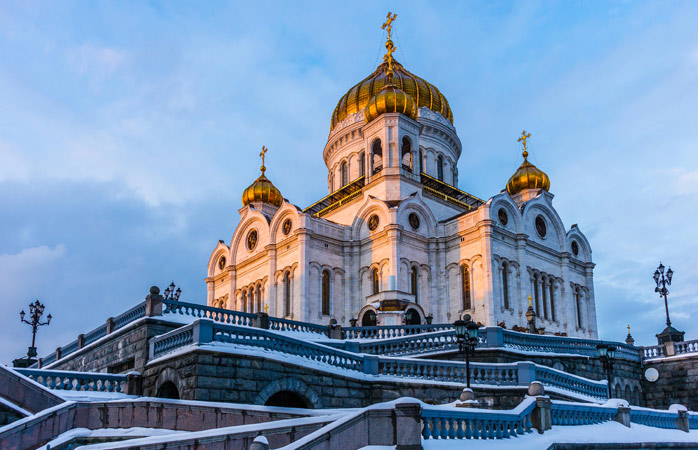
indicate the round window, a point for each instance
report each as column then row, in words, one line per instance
column 221, row 263
column 575, row 248
column 502, row 216
column 373, row 222
column 252, row 240
column 541, row 227
column 286, row 227
column 413, row 218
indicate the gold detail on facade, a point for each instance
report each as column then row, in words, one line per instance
column 530, row 300
column 527, row 176
column 262, row 190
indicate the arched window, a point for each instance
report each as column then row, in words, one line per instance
column 420, row 169
column 414, row 288
column 369, row 319
column 243, row 301
column 578, row 300
column 552, row 300
column 325, row 292
column 406, row 154
column 287, row 294
column 440, row 168
column 375, row 280
column 344, row 173
column 258, row 297
column 362, row 164
column 505, row 284
column 535, row 293
column 543, row 286
column 465, row 286
column 376, row 157
column 250, row 300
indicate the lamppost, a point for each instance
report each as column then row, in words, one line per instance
column 662, row 283
column 466, row 336
column 171, row 294
column 607, row 354
column 670, row 334
column 36, row 310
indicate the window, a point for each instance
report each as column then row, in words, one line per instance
column 552, row 301
column 325, row 292
column 376, row 156
column 535, row 293
column 369, row 319
column 258, row 297
column 414, row 288
column 465, row 287
column 362, row 164
column 376, row 281
column 406, row 154
column 250, row 300
column 543, row 286
column 421, row 161
column 440, row 168
column 344, row 173
column 287, row 294
column 578, row 300
column 505, row 284
column 243, row 300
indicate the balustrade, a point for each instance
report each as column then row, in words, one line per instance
column 279, row 324
column 76, row 381
column 562, row 413
column 194, row 310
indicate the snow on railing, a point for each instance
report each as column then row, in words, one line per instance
column 392, row 331
column 565, row 413
column 279, row 324
column 573, row 383
column 76, row 381
column 679, row 348
column 452, row 423
column 654, row 418
column 195, row 310
column 506, row 374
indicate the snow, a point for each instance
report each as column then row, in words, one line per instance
column 135, row 432
column 607, row 432
column 94, row 396
column 14, row 407
column 36, row 416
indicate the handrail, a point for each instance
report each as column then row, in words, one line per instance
column 76, row 381
column 207, row 312
column 449, row 423
column 680, row 348
column 562, row 413
column 390, row 331
column 280, row 324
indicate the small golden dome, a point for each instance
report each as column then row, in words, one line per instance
column 262, row 190
column 422, row 93
column 527, row 176
column 390, row 100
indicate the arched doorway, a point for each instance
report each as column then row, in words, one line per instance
column 412, row 317
column 287, row 399
column 369, row 319
column 168, row 390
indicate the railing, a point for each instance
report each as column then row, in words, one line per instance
column 447, row 198
column 449, row 423
column 680, row 348
column 76, row 381
column 120, row 321
column 279, row 324
column 172, row 340
column 391, row 331
column 194, row 310
column 450, row 371
column 339, row 203
column 562, row 413
column 572, row 383
column 653, row 418
column 559, row 344
column 411, row 345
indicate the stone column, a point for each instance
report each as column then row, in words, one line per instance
column 541, row 418
column 408, row 426
column 153, row 302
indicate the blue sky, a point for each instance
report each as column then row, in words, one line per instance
column 130, row 129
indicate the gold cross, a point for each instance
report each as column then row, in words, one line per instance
column 266, row 308
column 522, row 139
column 529, row 301
column 263, row 153
column 628, row 328
column 389, row 24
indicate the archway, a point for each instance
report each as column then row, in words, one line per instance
column 369, row 319
column 168, row 390
column 412, row 317
column 287, row 399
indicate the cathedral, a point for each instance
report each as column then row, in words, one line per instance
column 396, row 241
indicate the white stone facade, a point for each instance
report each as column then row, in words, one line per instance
column 336, row 252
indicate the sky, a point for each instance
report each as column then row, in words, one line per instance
column 128, row 131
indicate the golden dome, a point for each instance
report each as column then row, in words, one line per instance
column 421, row 92
column 527, row 176
column 390, row 100
column 262, row 190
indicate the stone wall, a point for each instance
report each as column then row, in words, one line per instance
column 130, row 342
column 209, row 376
column 677, row 383
column 24, row 393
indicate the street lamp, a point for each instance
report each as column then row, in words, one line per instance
column 467, row 337
column 171, row 293
column 36, row 310
column 662, row 282
column 607, row 354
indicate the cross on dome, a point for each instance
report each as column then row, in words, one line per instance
column 263, row 154
column 522, row 139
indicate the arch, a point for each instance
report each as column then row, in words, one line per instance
column 362, row 164
column 291, row 385
column 552, row 298
column 422, row 164
column 287, row 293
column 369, row 319
column 440, row 168
column 325, row 294
column 286, row 399
column 168, row 390
column 343, row 174
column 505, row 284
column 578, row 302
column 466, row 295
